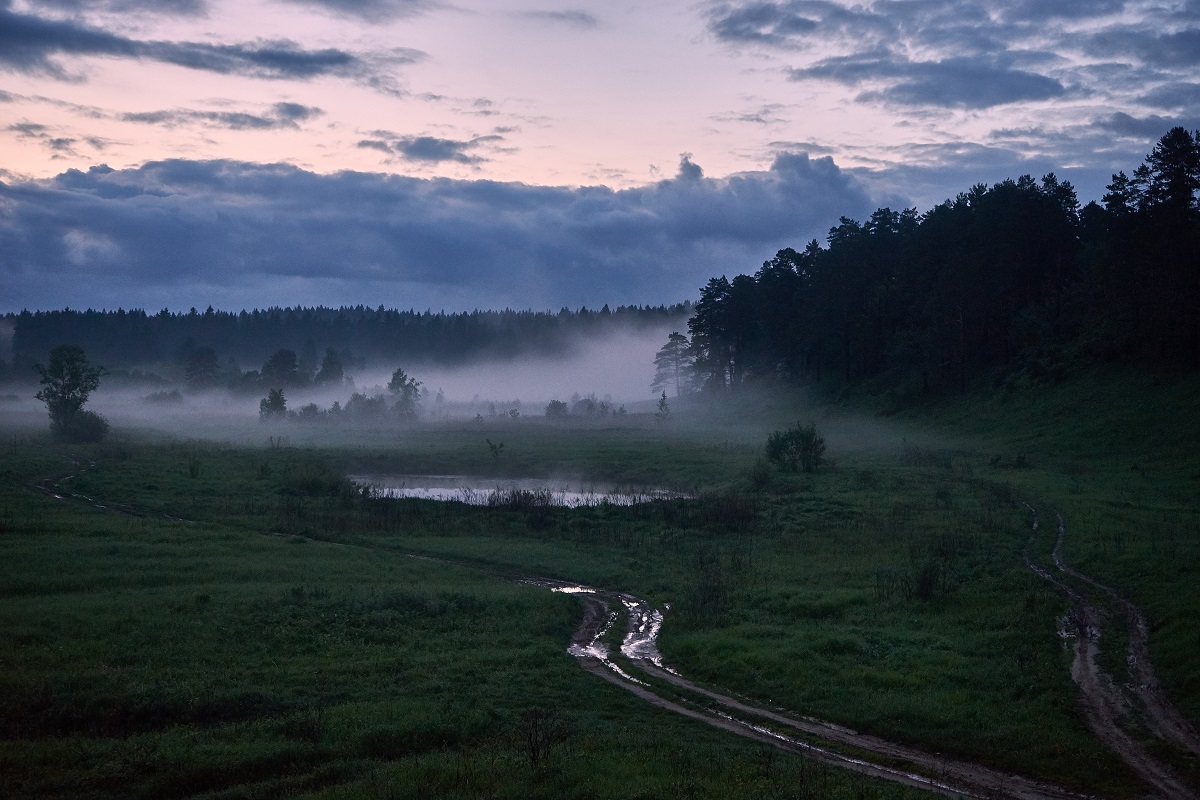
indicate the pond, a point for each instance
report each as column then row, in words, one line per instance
column 480, row 491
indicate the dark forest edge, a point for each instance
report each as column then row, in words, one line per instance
column 1002, row 286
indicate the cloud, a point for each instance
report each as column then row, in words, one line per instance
column 183, row 8
column 791, row 25
column 571, row 17
column 1157, row 48
column 429, row 149
column 1173, row 95
column 766, row 115
column 182, row 233
column 30, row 44
column 972, row 54
column 28, row 130
column 1150, row 127
column 370, row 10
column 953, row 82
column 280, row 115
column 1043, row 10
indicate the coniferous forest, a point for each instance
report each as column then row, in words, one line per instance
column 1009, row 282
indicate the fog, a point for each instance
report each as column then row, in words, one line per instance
column 615, row 370
column 619, row 367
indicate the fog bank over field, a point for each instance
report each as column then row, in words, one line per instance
column 619, row 365
column 614, row 365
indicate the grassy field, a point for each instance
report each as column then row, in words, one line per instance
column 239, row 622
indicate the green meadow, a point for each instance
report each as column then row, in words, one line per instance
column 238, row 620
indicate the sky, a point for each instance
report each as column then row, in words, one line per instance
column 530, row 154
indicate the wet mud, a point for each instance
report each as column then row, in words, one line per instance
column 1105, row 703
column 813, row 738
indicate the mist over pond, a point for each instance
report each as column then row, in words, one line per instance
column 482, row 491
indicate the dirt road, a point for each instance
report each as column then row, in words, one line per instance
column 1106, row 703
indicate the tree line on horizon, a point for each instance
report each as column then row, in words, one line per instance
column 1008, row 282
column 210, row 347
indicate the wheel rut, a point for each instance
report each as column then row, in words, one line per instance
column 1104, row 702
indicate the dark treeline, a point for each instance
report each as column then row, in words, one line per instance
column 1003, row 282
column 124, row 339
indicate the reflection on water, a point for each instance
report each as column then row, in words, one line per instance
column 478, row 491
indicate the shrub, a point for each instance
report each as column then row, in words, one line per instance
column 800, row 448
column 80, row 427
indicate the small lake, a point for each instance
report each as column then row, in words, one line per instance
column 478, row 491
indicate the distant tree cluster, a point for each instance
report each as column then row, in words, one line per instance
column 405, row 403
column 1009, row 281
column 584, row 406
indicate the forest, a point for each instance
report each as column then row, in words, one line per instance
column 1011, row 282
column 210, row 348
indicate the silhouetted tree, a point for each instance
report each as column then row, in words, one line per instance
column 331, row 371
column 671, row 363
column 66, row 384
column 407, row 391
column 282, row 369
column 273, row 406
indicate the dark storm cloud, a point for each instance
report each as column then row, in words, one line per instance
column 429, row 149
column 176, row 232
column 280, row 115
column 30, row 44
column 370, row 10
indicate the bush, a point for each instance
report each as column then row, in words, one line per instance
column 80, row 427
column 556, row 408
column 799, row 448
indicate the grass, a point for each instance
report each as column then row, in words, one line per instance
column 272, row 638
column 147, row 657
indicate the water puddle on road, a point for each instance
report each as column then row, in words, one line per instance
column 477, row 491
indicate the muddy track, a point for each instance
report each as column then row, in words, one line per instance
column 1104, row 702
column 817, row 739
column 51, row 486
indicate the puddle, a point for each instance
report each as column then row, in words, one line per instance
column 527, row 492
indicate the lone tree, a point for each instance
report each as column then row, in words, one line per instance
column 273, row 406
column 66, row 384
column 407, row 391
column 672, row 363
